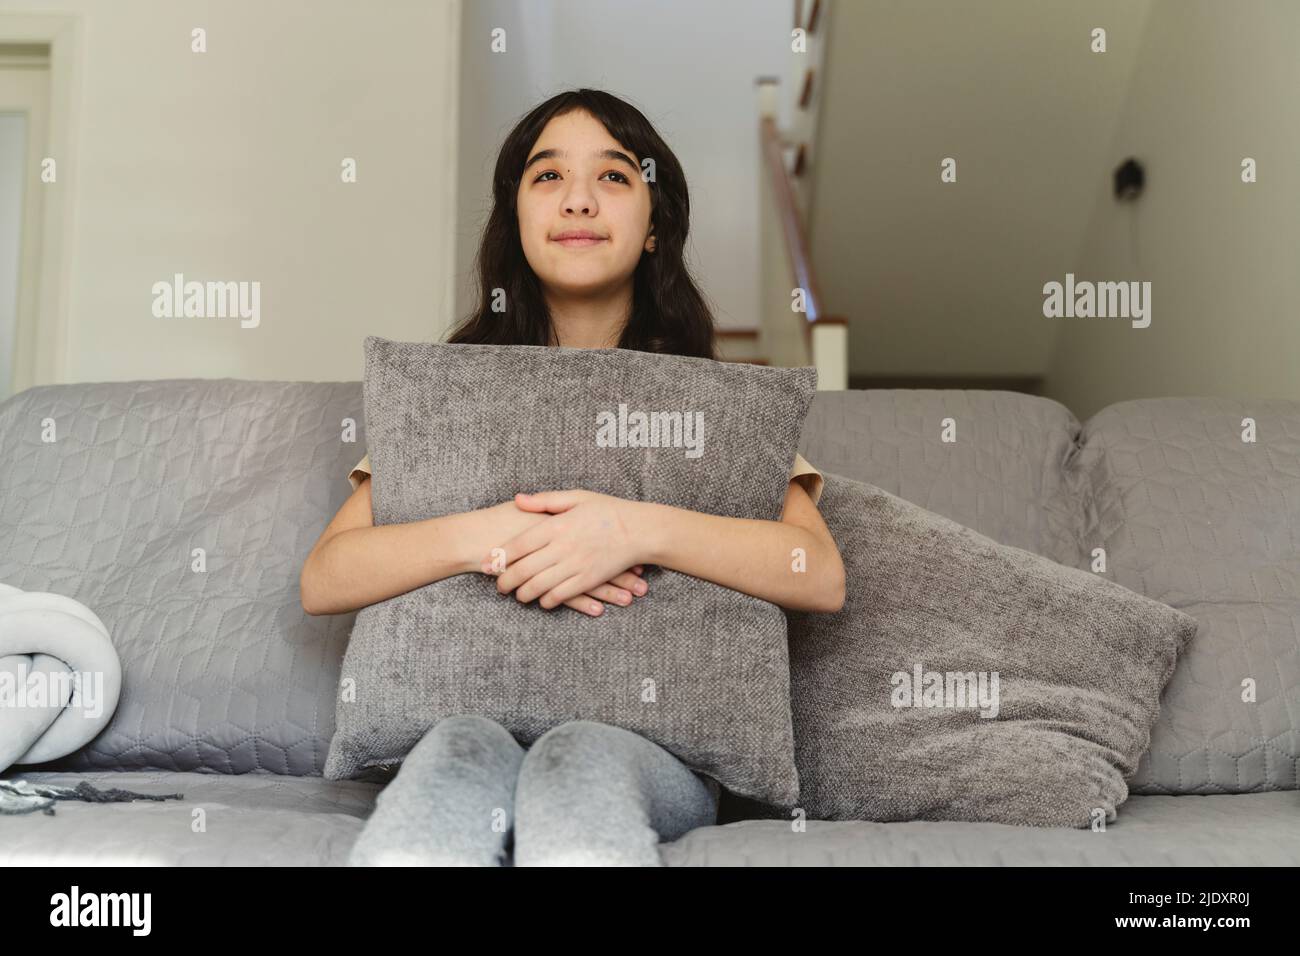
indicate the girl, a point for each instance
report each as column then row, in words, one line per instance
column 589, row 253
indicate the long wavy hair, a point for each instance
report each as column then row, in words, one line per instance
column 669, row 314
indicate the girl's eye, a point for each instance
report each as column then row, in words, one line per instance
column 551, row 172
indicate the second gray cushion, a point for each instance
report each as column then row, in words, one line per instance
column 1079, row 660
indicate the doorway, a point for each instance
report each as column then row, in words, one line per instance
column 24, row 131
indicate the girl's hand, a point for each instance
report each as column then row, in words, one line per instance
column 507, row 521
column 585, row 543
column 620, row 590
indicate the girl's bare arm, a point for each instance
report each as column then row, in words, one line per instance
column 355, row 563
column 793, row 562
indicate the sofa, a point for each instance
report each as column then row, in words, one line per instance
column 180, row 512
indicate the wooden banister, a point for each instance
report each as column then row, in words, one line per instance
column 824, row 337
column 811, row 26
column 805, row 97
column 796, row 242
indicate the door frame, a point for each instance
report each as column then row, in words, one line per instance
column 41, row 336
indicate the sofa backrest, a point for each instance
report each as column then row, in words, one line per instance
column 180, row 512
column 991, row 460
column 223, row 670
column 1193, row 514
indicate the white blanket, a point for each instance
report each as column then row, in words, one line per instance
column 60, row 677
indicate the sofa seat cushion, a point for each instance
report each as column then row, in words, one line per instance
column 252, row 819
column 1249, row 829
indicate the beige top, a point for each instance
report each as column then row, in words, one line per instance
column 808, row 476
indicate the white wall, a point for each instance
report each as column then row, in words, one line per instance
column 689, row 66
column 226, row 166
column 1215, row 83
column 942, row 278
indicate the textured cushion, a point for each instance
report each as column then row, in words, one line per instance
column 180, row 513
column 1079, row 664
column 1192, row 515
column 700, row 669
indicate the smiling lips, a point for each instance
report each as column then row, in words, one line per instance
column 576, row 238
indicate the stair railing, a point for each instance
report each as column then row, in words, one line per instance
column 794, row 328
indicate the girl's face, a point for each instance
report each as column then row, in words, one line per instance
column 589, row 186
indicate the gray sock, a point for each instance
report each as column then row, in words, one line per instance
column 452, row 802
column 591, row 794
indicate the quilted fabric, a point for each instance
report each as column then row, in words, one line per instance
column 251, row 819
column 456, row 428
column 1079, row 663
column 1192, row 515
column 1254, row 829
column 221, row 668
column 1007, row 475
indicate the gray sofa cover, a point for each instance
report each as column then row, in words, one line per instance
column 229, row 686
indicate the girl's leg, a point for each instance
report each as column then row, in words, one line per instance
column 451, row 803
column 594, row 795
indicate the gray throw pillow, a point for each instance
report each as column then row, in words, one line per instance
column 1067, row 665
column 700, row 669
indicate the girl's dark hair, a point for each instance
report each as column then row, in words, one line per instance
column 669, row 313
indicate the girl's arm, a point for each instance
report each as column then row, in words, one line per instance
column 356, row 563
column 792, row 562
column 757, row 557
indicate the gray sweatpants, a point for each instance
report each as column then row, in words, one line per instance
column 584, row 794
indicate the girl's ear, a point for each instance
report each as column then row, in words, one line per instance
column 650, row 243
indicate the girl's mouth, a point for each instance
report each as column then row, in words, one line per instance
column 577, row 241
